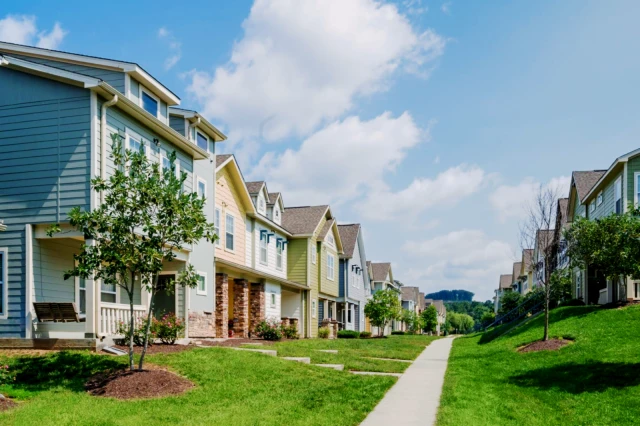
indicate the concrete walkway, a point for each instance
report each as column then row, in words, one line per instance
column 415, row 398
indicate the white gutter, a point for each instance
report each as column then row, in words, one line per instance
column 103, row 140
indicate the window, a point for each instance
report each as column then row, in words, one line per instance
column 3, row 282
column 592, row 207
column 166, row 164
column 349, row 315
column 107, row 292
column 201, row 289
column 202, row 141
column 263, row 248
column 617, row 190
column 228, row 232
column 149, row 103
column 330, row 268
column 273, row 300
column 134, row 142
column 313, row 308
column 599, row 199
column 578, row 284
column 216, row 224
column 81, row 295
column 636, row 289
column 261, row 203
column 202, row 188
column 276, row 214
column 637, row 187
column 279, row 255
column 330, row 239
column 314, row 255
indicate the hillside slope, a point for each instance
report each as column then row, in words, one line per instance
column 593, row 381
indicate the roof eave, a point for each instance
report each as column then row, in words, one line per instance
column 218, row 135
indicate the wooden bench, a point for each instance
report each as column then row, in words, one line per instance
column 57, row 312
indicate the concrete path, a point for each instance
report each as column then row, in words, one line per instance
column 415, row 398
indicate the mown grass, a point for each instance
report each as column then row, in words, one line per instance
column 593, row 381
column 232, row 387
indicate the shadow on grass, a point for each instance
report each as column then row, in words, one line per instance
column 555, row 315
column 66, row 369
column 580, row 378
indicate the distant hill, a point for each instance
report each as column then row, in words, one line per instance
column 451, row 295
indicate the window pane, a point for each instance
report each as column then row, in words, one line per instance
column 108, row 297
column 202, row 189
column 229, row 232
column 82, row 299
column 202, row 141
column 134, row 145
column 202, row 284
column 149, row 104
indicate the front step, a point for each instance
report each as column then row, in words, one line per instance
column 338, row 367
column 376, row 373
column 390, row 359
column 261, row 351
column 328, row 351
column 302, row 359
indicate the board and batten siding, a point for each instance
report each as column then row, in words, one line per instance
column 45, row 153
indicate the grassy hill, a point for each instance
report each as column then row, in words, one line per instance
column 593, row 381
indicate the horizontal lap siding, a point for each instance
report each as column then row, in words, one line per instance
column 270, row 267
column 51, row 259
column 177, row 123
column 45, row 157
column 633, row 166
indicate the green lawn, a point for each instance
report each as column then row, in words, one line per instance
column 593, row 381
column 232, row 387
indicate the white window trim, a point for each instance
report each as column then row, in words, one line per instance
column 114, row 292
column 206, row 284
column 151, row 95
column 314, row 253
column 201, row 180
column 226, row 215
column 195, row 139
column 599, row 198
column 314, row 308
column 635, row 188
column 279, row 255
column 133, row 134
column 219, row 233
column 266, row 247
column 617, row 182
column 592, row 207
column 77, row 292
column 4, row 314
column 333, row 267
column 273, row 300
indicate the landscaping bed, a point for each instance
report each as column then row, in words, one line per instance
column 126, row 384
column 542, row 345
column 236, row 342
column 157, row 348
column 6, row 404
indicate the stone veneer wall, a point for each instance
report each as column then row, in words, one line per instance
column 257, row 308
column 222, row 303
column 202, row 324
column 241, row 308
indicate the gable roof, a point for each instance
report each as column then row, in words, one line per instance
column 238, row 182
column 563, row 212
column 273, row 197
column 505, row 281
column 303, row 220
column 617, row 162
column 349, row 237
column 380, row 271
column 221, row 159
column 204, row 126
column 527, row 259
column 585, row 180
column 410, row 293
column 544, row 238
column 254, row 187
column 517, row 267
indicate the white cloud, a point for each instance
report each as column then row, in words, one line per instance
column 415, row 7
column 301, row 64
column 341, row 161
column 512, row 201
column 446, row 190
column 22, row 29
column 466, row 259
column 175, row 48
column 446, row 8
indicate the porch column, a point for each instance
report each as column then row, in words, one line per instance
column 92, row 314
column 241, row 308
column 222, row 303
column 257, row 308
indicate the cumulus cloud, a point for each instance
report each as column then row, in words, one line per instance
column 301, row 64
column 175, row 48
column 22, row 29
column 512, row 201
column 464, row 259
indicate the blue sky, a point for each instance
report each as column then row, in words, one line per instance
column 429, row 122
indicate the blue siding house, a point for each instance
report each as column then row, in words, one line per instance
column 57, row 112
column 354, row 279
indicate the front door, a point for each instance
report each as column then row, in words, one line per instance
column 165, row 298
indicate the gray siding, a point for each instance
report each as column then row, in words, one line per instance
column 44, row 168
column 608, row 203
column 51, row 259
column 114, row 78
column 177, row 123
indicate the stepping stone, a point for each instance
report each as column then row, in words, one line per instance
column 375, row 373
column 338, row 367
column 390, row 359
column 260, row 351
column 329, row 351
column 302, row 359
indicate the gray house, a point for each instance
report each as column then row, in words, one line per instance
column 354, row 280
column 57, row 112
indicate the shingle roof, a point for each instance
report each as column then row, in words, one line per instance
column 421, row 300
column 254, row 187
column 411, row 293
column 380, row 271
column 221, row 158
column 302, row 220
column 563, row 207
column 273, row 196
column 349, row 237
column 544, row 238
column 516, row 270
column 527, row 255
column 325, row 229
column 585, row 180
column 439, row 304
column 505, row 281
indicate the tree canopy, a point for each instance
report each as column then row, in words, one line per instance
column 383, row 308
column 430, row 319
column 451, row 295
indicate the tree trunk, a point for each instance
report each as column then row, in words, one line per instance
column 547, row 296
column 148, row 327
column 131, row 331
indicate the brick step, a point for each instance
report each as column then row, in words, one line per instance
column 338, row 367
column 302, row 359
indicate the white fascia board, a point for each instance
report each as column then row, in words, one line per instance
column 51, row 72
column 205, row 125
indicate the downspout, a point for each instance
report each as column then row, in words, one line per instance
column 103, row 140
column 193, row 126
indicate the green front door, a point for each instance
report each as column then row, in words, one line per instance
column 164, row 301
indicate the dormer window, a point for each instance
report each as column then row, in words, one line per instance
column 330, row 239
column 149, row 103
column 261, row 204
column 277, row 215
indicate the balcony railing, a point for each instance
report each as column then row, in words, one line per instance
column 111, row 314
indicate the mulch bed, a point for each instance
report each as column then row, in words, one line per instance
column 125, row 384
column 6, row 404
column 549, row 345
column 235, row 342
column 157, row 349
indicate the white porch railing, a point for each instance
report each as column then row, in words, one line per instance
column 111, row 314
column 603, row 297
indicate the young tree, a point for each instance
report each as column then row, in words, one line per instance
column 145, row 219
column 383, row 308
column 509, row 301
column 537, row 232
column 430, row 319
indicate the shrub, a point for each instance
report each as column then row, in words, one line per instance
column 398, row 333
column 348, row 334
column 365, row 334
column 6, row 375
column 290, row 331
column 573, row 302
column 138, row 333
column 269, row 330
column 168, row 329
column 323, row 332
